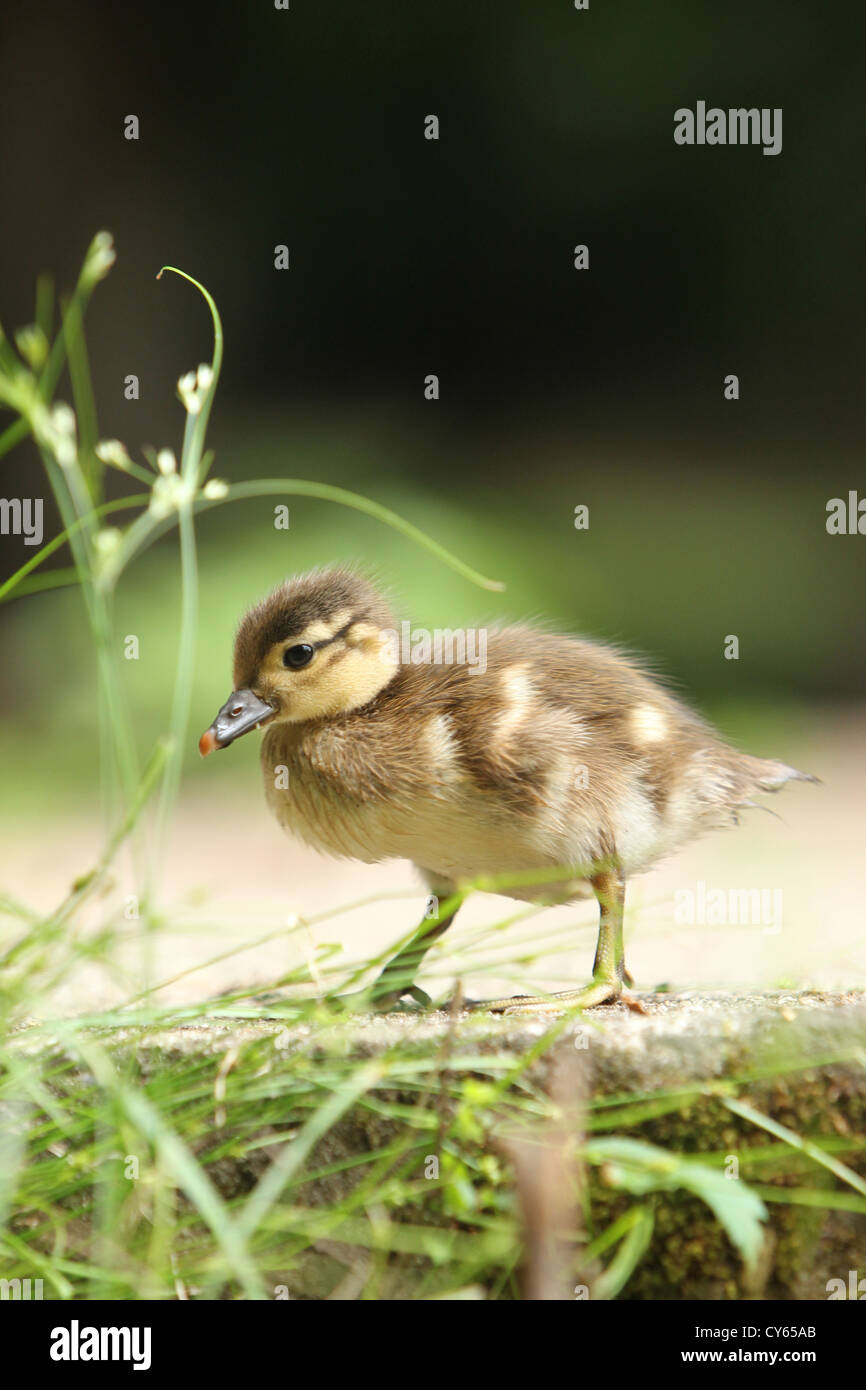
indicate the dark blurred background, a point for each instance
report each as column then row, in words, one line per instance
column 558, row 387
column 306, row 127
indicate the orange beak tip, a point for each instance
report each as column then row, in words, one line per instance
column 207, row 743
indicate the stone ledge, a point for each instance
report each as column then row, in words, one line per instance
column 800, row 1058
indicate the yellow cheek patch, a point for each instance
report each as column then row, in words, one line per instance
column 371, row 642
column 359, row 633
column 346, row 672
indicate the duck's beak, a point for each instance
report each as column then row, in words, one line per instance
column 241, row 712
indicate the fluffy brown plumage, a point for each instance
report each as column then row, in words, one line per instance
column 561, row 754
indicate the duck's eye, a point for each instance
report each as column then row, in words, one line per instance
column 296, row 657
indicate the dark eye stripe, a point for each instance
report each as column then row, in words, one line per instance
column 314, row 647
column 326, row 641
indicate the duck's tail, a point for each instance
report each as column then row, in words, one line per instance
column 771, row 776
column 730, row 780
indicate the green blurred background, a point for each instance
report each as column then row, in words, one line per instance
column 669, row 568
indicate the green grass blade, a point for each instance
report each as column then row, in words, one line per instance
column 82, row 395
column 13, row 435
column 628, row 1256
column 52, row 579
column 796, row 1141
column 183, row 1166
column 44, row 315
column 283, row 1169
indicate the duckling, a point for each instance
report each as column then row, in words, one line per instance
column 558, row 761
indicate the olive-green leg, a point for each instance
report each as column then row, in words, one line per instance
column 609, row 974
column 397, row 979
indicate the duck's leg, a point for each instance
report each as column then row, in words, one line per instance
column 609, row 974
column 397, row 979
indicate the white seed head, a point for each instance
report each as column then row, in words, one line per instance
column 107, row 540
column 204, row 376
column 56, row 429
column 169, row 494
column 32, row 344
column 214, row 489
column 111, row 451
column 63, row 419
column 186, row 389
column 99, row 259
column 65, row 452
column 166, row 462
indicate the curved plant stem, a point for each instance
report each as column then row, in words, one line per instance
column 190, row 470
column 150, row 529
column 300, row 487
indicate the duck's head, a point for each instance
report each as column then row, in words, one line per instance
column 314, row 648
